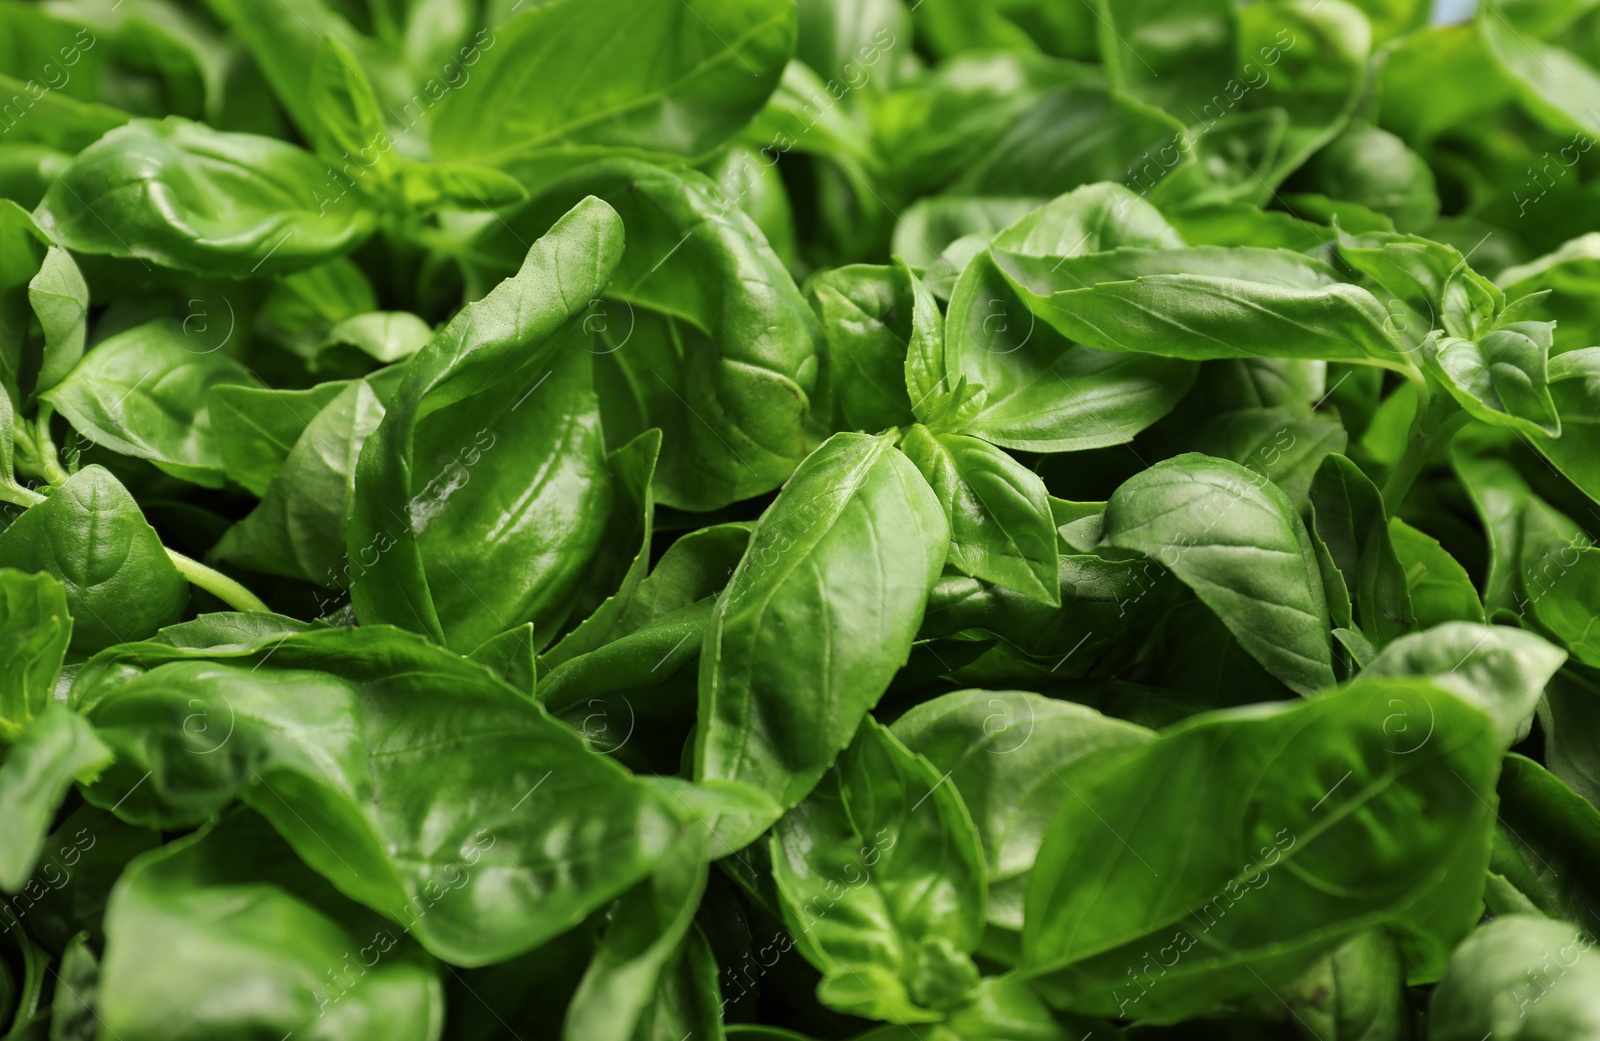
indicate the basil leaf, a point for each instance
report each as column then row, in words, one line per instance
column 182, row 195
column 1503, row 377
column 684, row 79
column 298, row 529
column 1001, row 528
column 1439, row 587
column 256, row 428
column 56, row 748
column 1011, row 788
column 835, row 581
column 1501, row 670
column 1487, row 987
column 1349, row 518
column 1547, row 833
column 92, row 537
column 512, row 656
column 701, row 333
column 1574, row 387
column 1041, row 391
column 694, row 568
column 330, row 734
column 876, row 322
column 1291, row 861
column 887, row 902
column 648, row 924
column 35, row 629
column 1234, row 539
column 60, row 298
column 230, row 916
column 144, row 393
column 430, row 540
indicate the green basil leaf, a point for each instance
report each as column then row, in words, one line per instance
column 1371, row 166
column 876, row 322
column 1547, row 834
column 1001, row 750
column 24, row 248
column 1569, row 274
column 60, row 298
column 225, row 932
column 1233, row 538
column 35, row 630
column 144, row 393
column 701, row 333
column 886, row 901
column 1001, row 527
column 1519, row 977
column 834, row 582
column 1574, row 387
column 1503, row 377
column 91, row 536
column 56, row 748
column 438, row 518
column 333, row 735
column 1358, row 991
column 684, row 79
column 1206, row 302
column 256, row 427
column 647, row 927
column 298, row 529
column 688, row 1001
column 346, row 122
column 1040, row 391
column 1192, row 44
column 694, row 568
column 1499, row 669
column 182, row 195
column 512, row 656
column 1224, row 870
column 383, row 336
column 1440, row 588
column 1349, row 518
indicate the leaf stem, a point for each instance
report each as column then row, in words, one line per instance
column 46, row 448
column 1438, row 418
column 17, row 495
column 217, row 584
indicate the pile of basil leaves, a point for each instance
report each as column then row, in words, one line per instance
column 964, row 520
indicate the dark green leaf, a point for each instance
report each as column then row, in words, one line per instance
column 440, row 519
column 35, row 630
column 1241, row 846
column 1233, row 538
column 225, row 934
column 681, row 80
column 144, row 393
column 91, row 536
column 51, row 752
column 834, row 584
column 334, row 736
column 1001, row 528
column 886, row 901
column 182, row 195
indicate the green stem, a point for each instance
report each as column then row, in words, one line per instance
column 17, row 495
column 46, row 448
column 217, row 584
column 1438, row 419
